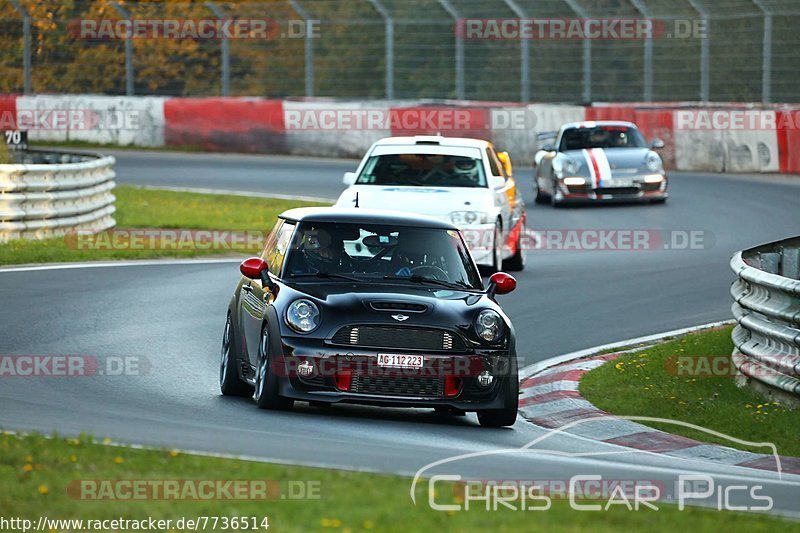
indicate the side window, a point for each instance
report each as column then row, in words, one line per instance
column 494, row 164
column 276, row 246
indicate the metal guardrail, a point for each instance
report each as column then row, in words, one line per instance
column 49, row 194
column 767, row 312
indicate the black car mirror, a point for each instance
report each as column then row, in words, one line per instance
column 549, row 148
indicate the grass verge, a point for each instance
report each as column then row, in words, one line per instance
column 147, row 208
column 39, row 476
column 672, row 380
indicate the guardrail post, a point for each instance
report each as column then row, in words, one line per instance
column 459, row 59
column 389, row 22
column 26, row 45
column 587, row 54
column 224, row 50
column 766, row 53
column 648, row 51
column 524, row 56
column 309, row 46
column 705, row 65
column 128, row 50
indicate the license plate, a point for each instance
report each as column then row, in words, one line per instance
column 617, row 183
column 399, row 361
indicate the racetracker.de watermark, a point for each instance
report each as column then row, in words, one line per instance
column 37, row 366
column 736, row 120
column 166, row 239
column 723, row 366
column 193, row 489
column 74, row 119
column 432, row 119
column 596, row 240
column 624, row 29
column 196, row 29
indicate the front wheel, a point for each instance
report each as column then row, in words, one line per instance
column 541, row 197
column 516, row 262
column 497, row 249
column 267, row 396
column 230, row 384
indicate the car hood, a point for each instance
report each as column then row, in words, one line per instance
column 621, row 161
column 432, row 201
column 343, row 303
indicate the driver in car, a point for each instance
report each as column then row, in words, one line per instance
column 322, row 252
column 465, row 169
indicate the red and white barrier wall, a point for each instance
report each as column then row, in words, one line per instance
column 700, row 137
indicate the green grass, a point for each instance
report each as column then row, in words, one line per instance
column 147, row 208
column 35, row 474
column 647, row 383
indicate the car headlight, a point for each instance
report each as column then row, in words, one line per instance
column 489, row 325
column 653, row 162
column 303, row 316
column 466, row 218
column 571, row 166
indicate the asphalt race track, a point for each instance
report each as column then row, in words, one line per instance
column 171, row 317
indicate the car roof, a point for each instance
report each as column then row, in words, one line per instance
column 433, row 140
column 363, row 216
column 593, row 123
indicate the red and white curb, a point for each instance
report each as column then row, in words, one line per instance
column 549, row 398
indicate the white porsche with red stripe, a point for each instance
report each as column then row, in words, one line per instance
column 600, row 161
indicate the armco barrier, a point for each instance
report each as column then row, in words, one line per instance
column 50, row 194
column 767, row 312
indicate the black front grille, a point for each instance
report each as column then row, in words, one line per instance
column 402, row 338
column 387, row 385
column 618, row 190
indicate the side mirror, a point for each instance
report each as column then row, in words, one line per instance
column 657, row 144
column 257, row 268
column 349, row 178
column 501, row 283
column 505, row 159
column 549, row 148
column 496, row 182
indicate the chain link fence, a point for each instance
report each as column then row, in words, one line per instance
column 738, row 50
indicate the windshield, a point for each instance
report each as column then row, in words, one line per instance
column 423, row 170
column 381, row 253
column 601, row 137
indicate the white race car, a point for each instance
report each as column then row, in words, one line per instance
column 463, row 181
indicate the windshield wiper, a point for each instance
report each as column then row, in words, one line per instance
column 324, row 275
column 423, row 279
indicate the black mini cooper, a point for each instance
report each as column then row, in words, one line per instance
column 359, row 306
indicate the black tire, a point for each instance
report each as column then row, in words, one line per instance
column 266, row 393
column 497, row 252
column 230, row 384
column 541, row 197
column 553, row 201
column 659, row 201
column 516, row 262
column 495, row 418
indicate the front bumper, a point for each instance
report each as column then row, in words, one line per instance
column 635, row 192
column 350, row 375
